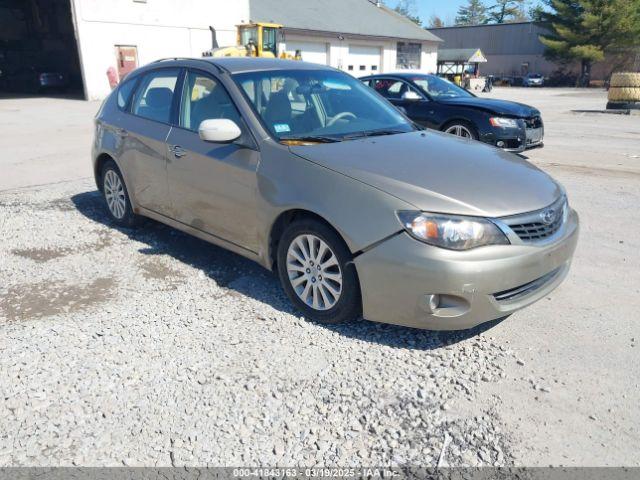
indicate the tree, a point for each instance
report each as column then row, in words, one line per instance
column 585, row 30
column 406, row 8
column 506, row 11
column 536, row 13
column 473, row 13
column 436, row 22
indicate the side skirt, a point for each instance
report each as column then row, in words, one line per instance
column 202, row 235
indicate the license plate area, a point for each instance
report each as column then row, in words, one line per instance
column 534, row 136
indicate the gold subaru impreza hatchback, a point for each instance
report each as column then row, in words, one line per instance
column 310, row 173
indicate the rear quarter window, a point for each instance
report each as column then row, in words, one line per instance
column 124, row 92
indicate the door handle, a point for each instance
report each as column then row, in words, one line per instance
column 122, row 132
column 177, row 151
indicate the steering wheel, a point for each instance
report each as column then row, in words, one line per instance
column 340, row 116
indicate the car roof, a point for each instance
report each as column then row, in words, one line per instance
column 244, row 64
column 252, row 64
column 406, row 75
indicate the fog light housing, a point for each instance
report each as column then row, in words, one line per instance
column 431, row 302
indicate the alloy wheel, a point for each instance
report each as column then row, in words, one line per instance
column 314, row 272
column 459, row 131
column 114, row 194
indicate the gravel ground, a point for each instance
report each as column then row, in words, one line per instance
column 149, row 347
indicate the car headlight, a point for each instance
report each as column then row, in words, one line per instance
column 502, row 122
column 454, row 232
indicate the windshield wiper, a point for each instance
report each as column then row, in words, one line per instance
column 372, row 133
column 310, row 138
column 378, row 133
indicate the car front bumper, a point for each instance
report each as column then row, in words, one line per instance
column 515, row 140
column 475, row 286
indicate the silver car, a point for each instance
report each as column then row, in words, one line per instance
column 305, row 170
column 533, row 80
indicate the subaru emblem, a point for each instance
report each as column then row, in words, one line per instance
column 548, row 216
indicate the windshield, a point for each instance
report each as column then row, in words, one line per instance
column 439, row 88
column 319, row 105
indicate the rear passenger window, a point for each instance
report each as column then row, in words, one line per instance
column 154, row 96
column 124, row 92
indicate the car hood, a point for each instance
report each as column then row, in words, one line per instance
column 499, row 107
column 440, row 173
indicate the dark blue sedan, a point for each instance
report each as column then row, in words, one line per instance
column 436, row 103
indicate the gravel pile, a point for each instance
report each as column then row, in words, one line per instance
column 149, row 347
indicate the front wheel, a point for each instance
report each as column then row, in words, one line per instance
column 461, row 129
column 317, row 273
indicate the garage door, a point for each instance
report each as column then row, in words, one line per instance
column 363, row 60
column 314, row 52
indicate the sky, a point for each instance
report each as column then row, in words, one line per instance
column 445, row 9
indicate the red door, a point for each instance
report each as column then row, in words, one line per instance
column 127, row 57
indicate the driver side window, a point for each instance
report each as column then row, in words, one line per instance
column 204, row 98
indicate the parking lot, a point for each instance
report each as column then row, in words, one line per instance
column 149, row 347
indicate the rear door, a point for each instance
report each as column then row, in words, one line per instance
column 144, row 130
column 213, row 185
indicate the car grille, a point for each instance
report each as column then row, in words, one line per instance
column 536, row 230
column 526, row 289
column 533, row 122
column 538, row 225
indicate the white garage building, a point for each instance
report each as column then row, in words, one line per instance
column 129, row 33
column 361, row 37
column 85, row 38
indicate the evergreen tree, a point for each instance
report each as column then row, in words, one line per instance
column 506, row 11
column 585, row 30
column 473, row 13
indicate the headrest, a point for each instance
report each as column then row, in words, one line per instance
column 159, row 97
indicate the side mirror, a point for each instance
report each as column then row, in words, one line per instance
column 219, row 130
column 411, row 95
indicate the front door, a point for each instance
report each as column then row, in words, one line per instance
column 417, row 107
column 212, row 185
column 144, row 131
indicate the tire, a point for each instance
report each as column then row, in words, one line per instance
column 626, row 79
column 300, row 279
column 627, row 94
column 466, row 126
column 623, row 105
column 116, row 197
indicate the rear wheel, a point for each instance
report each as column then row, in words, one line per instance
column 317, row 273
column 116, row 196
column 461, row 129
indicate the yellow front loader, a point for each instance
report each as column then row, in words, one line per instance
column 256, row 39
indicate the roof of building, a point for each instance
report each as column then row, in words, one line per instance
column 358, row 17
column 466, row 55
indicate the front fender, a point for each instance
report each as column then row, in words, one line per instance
column 360, row 213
